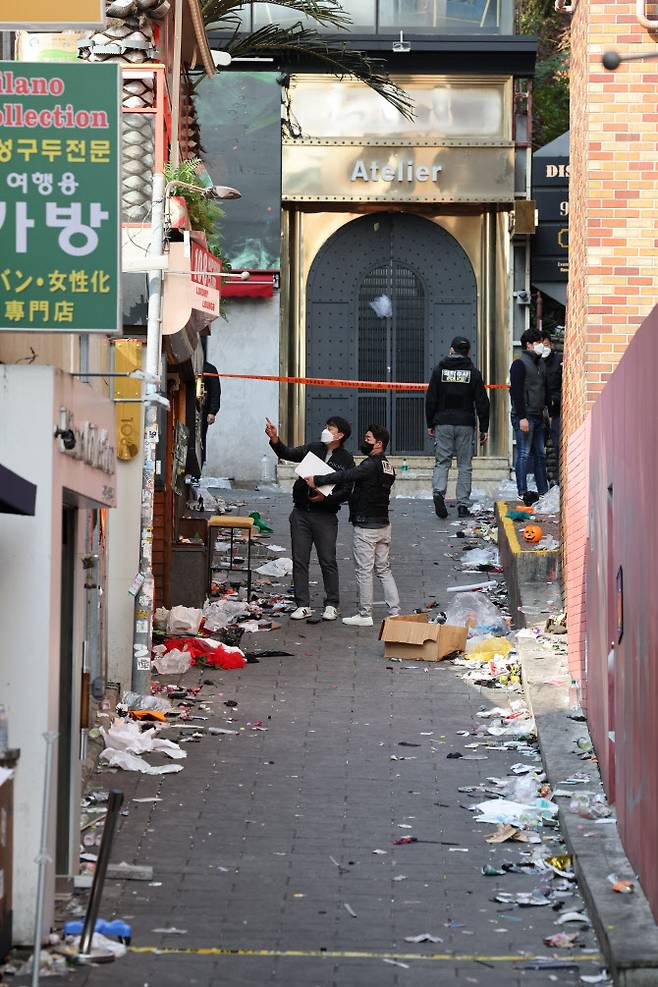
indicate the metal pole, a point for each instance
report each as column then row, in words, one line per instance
column 114, row 804
column 43, row 857
column 143, row 624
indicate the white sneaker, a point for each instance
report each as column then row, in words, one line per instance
column 301, row 613
column 330, row 613
column 358, row 621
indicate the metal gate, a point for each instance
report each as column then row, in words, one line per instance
column 385, row 296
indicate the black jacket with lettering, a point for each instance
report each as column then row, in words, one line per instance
column 456, row 392
column 340, row 460
column 369, row 500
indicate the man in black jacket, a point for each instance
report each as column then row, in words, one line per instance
column 369, row 500
column 553, row 365
column 456, row 392
column 528, row 396
column 314, row 518
column 211, row 403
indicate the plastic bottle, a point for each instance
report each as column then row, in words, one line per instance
column 4, row 730
column 405, row 466
column 574, row 696
column 265, row 468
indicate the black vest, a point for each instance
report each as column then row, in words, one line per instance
column 535, row 384
column 369, row 500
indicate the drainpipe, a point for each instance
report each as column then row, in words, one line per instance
column 144, row 600
column 176, row 84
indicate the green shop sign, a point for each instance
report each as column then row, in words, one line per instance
column 59, row 198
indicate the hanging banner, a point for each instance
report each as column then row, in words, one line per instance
column 59, row 198
column 37, row 15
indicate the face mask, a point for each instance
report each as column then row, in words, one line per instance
column 546, row 351
column 538, row 348
column 327, row 436
column 367, row 447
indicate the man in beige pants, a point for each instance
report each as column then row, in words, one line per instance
column 369, row 503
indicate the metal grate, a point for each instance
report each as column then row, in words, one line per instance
column 391, row 347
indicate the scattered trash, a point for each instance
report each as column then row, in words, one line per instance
column 170, row 931
column 131, row 762
column 423, row 937
column 549, row 503
column 184, row 620
column 349, row 910
column 579, row 917
column 596, row 978
column 404, row 966
column 277, row 567
column 620, row 885
column 562, row 940
column 469, row 609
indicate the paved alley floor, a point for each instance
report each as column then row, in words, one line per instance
column 264, row 845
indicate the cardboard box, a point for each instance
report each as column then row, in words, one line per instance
column 412, row 637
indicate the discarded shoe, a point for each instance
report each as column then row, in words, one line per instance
column 330, row 613
column 358, row 621
column 463, row 511
column 301, row 613
column 440, row 506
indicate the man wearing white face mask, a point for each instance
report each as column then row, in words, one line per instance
column 528, row 394
column 314, row 517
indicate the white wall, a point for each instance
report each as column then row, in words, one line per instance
column 247, row 343
column 123, row 564
column 30, row 621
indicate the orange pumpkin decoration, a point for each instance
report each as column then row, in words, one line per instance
column 532, row 533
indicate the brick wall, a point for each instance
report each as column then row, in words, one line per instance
column 612, row 202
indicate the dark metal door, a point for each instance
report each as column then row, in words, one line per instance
column 385, row 296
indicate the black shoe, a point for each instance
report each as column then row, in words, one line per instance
column 463, row 511
column 440, row 506
column 530, row 497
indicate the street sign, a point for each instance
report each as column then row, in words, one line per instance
column 37, row 15
column 59, row 197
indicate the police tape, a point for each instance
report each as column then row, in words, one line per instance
column 361, row 385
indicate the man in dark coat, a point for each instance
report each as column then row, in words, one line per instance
column 456, row 394
column 211, row 404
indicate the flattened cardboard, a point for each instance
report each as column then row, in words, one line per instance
column 412, row 637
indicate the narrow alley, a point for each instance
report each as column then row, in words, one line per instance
column 274, row 851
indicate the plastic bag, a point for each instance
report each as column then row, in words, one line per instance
column 480, row 556
column 160, row 618
column 382, row 306
column 216, row 482
column 173, row 662
column 277, row 567
column 184, row 620
column 507, row 812
column 549, row 503
column 506, row 491
column 126, row 735
column 547, row 544
column 133, row 700
column 473, row 609
column 221, row 613
column 488, row 648
column 131, row 762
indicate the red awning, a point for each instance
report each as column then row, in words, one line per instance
column 261, row 284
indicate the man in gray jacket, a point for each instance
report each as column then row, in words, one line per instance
column 528, row 394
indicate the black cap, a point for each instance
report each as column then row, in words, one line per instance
column 461, row 345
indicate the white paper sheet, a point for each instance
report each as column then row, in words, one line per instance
column 312, row 465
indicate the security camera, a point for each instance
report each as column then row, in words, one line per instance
column 66, row 437
column 522, row 297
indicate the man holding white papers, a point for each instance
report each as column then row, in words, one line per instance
column 314, row 517
column 369, row 502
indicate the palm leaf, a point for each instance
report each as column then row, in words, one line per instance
column 339, row 59
column 217, row 13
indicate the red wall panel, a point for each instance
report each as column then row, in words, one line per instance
column 622, row 691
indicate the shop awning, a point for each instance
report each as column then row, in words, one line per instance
column 260, row 284
column 17, row 496
column 557, row 290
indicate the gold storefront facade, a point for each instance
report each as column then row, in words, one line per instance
column 349, row 157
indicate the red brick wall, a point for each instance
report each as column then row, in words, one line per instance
column 612, row 201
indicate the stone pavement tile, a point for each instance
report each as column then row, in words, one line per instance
column 335, row 715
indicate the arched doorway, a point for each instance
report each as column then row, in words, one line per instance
column 385, row 296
